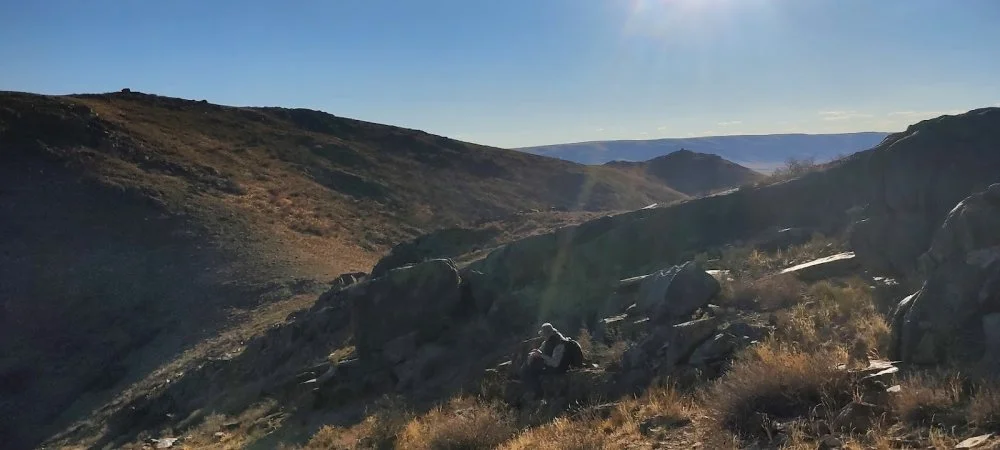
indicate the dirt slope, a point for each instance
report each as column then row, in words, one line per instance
column 135, row 226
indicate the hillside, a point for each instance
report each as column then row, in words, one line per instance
column 691, row 173
column 136, row 226
column 759, row 152
column 778, row 351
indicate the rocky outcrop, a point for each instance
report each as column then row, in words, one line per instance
column 915, row 178
column 396, row 313
column 667, row 346
column 446, row 243
column 953, row 316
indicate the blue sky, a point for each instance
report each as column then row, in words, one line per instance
column 528, row 72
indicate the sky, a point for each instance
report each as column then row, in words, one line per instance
column 515, row 73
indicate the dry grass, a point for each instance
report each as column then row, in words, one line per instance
column 629, row 423
column 836, row 316
column 378, row 431
column 777, row 381
column 927, row 399
column 765, row 294
column 604, row 355
column 461, row 424
column 748, row 263
column 984, row 406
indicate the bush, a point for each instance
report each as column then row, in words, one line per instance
column 984, row 406
column 461, row 424
column 779, row 382
column 561, row 434
column 931, row 398
column 378, row 431
column 836, row 316
column 765, row 294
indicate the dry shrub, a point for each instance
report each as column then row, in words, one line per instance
column 379, row 430
column 460, row 424
column 932, row 398
column 748, row 263
column 836, row 315
column 562, row 434
column 984, row 406
column 776, row 380
column 765, row 294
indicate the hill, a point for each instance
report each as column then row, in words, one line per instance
column 137, row 226
column 759, row 152
column 777, row 350
column 691, row 173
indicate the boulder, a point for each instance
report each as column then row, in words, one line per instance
column 952, row 316
column 422, row 299
column 839, row 265
column 421, row 366
column 720, row 348
column 666, row 346
column 676, row 292
column 714, row 349
column 920, row 175
column 857, row 417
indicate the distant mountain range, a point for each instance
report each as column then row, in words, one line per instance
column 759, row 152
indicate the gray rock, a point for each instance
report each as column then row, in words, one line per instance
column 717, row 348
column 951, row 316
column 839, row 265
column 921, row 175
column 400, row 348
column 420, row 299
column 411, row 372
column 666, row 346
column 676, row 292
column 857, row 417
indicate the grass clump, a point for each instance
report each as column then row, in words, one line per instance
column 775, row 381
column 461, row 424
column 378, row 431
column 836, row 315
column 931, row 398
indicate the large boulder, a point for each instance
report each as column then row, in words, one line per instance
column 676, row 292
column 915, row 178
column 951, row 316
column 422, row 299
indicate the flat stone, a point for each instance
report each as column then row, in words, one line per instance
column 839, row 265
column 976, row 441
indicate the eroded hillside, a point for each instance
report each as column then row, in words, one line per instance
column 137, row 226
column 765, row 352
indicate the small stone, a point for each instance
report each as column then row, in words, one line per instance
column 830, row 442
column 976, row 441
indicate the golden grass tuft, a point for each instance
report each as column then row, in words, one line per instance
column 836, row 316
column 779, row 381
column 461, row 424
column 931, row 398
column 984, row 406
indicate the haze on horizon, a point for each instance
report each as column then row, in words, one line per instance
column 528, row 72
